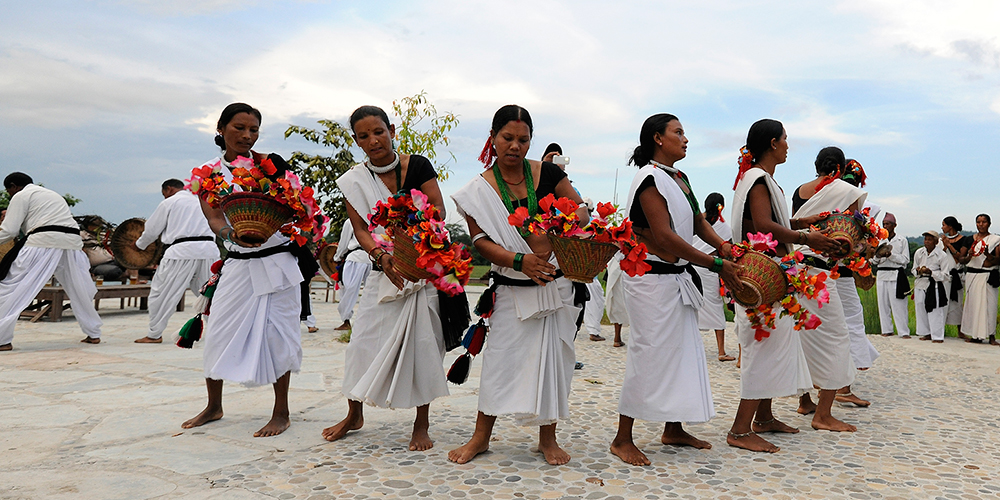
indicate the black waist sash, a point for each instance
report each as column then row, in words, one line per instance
column 845, row 272
column 8, row 259
column 668, row 268
column 933, row 300
column 267, row 252
column 956, row 284
column 809, row 260
column 994, row 279
column 902, row 282
column 187, row 239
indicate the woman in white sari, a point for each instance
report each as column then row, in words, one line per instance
column 529, row 356
column 828, row 347
column 395, row 357
column 979, row 319
column 774, row 366
column 252, row 334
column 712, row 315
column 666, row 376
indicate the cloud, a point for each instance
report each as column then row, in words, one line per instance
column 189, row 7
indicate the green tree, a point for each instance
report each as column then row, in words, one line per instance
column 421, row 130
column 5, row 199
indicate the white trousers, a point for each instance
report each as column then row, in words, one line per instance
column 928, row 323
column 353, row 275
column 32, row 268
column 593, row 310
column 891, row 309
column 172, row 278
column 310, row 321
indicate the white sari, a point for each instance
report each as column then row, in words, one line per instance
column 775, row 366
column 396, row 354
column 529, row 356
column 979, row 319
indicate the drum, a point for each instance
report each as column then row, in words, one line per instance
column 124, row 250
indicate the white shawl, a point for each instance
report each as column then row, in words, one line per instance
column 838, row 195
column 478, row 200
column 779, row 209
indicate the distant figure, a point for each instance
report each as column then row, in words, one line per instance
column 956, row 246
column 614, row 298
column 712, row 315
column 190, row 250
column 357, row 266
column 979, row 320
column 931, row 266
column 52, row 246
column 892, row 286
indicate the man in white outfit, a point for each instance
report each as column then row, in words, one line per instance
column 931, row 266
column 52, row 246
column 892, row 285
column 180, row 224
column 357, row 265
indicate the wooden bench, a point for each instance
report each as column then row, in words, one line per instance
column 56, row 295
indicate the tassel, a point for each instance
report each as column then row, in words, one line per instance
column 477, row 340
column 190, row 332
column 484, row 308
column 201, row 304
column 454, row 314
column 459, row 371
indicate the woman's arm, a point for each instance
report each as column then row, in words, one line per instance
column 433, row 193
column 707, row 233
column 220, row 226
column 759, row 200
column 536, row 266
column 367, row 241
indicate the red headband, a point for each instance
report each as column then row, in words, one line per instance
column 745, row 162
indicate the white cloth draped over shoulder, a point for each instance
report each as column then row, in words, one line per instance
column 828, row 347
column 666, row 374
column 614, row 294
column 979, row 318
column 252, row 334
column 396, row 355
column 775, row 366
column 712, row 315
column 529, row 355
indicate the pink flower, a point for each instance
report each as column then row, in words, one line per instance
column 813, row 322
column 762, row 242
column 419, row 199
column 242, row 162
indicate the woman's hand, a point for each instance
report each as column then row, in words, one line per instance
column 242, row 243
column 805, row 222
column 820, row 242
column 388, row 263
column 726, row 250
column 728, row 275
column 537, row 267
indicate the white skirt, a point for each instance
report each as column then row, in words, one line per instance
column 955, row 307
column 712, row 315
column 979, row 319
column 775, row 366
column 862, row 350
column 528, row 364
column 252, row 339
column 828, row 347
column 614, row 295
column 396, row 354
column 666, row 374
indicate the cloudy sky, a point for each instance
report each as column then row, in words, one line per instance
column 106, row 99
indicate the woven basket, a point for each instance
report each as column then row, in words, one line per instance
column 845, row 229
column 580, row 259
column 864, row 282
column 124, row 250
column 763, row 280
column 405, row 256
column 255, row 216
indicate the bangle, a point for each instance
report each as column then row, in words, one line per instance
column 803, row 237
column 478, row 237
column 379, row 252
column 716, row 265
column 518, row 261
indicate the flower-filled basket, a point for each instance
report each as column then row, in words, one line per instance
column 855, row 231
column 846, row 229
column 582, row 252
column 770, row 285
column 265, row 203
column 420, row 243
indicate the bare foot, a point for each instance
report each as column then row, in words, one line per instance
column 773, row 425
column 752, row 442
column 726, row 357
column 343, row 327
column 420, row 440
column 994, row 342
column 313, row 329
column 851, row 398
column 275, row 426
column 962, row 336
column 89, row 340
column 7, row 347
column 629, row 453
column 554, row 455
column 147, row 340
column 469, row 450
column 207, row 415
column 349, row 423
column 619, row 344
column 806, row 405
column 682, row 438
column 596, row 338
column 937, row 341
column 831, row 424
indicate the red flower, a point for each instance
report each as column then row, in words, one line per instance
column 605, row 209
column 268, row 166
column 546, row 203
column 566, row 205
column 517, row 218
column 634, row 263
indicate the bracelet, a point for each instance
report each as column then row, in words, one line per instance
column 376, row 258
column 518, row 261
column 803, row 237
column 478, row 237
column 229, row 236
column 716, row 265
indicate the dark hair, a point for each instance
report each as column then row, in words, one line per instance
column 830, row 160
column 713, row 204
column 988, row 221
column 554, row 147
column 17, row 179
column 227, row 116
column 365, row 112
column 761, row 133
column 172, row 183
column 653, row 125
column 953, row 223
column 511, row 113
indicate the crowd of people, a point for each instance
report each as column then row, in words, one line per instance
column 396, row 353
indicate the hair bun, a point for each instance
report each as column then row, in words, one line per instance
column 219, row 141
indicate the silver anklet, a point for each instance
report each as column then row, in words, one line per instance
column 741, row 436
column 846, row 394
column 757, row 422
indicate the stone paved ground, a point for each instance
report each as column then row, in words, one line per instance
column 103, row 422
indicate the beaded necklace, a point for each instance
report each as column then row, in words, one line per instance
column 506, row 196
